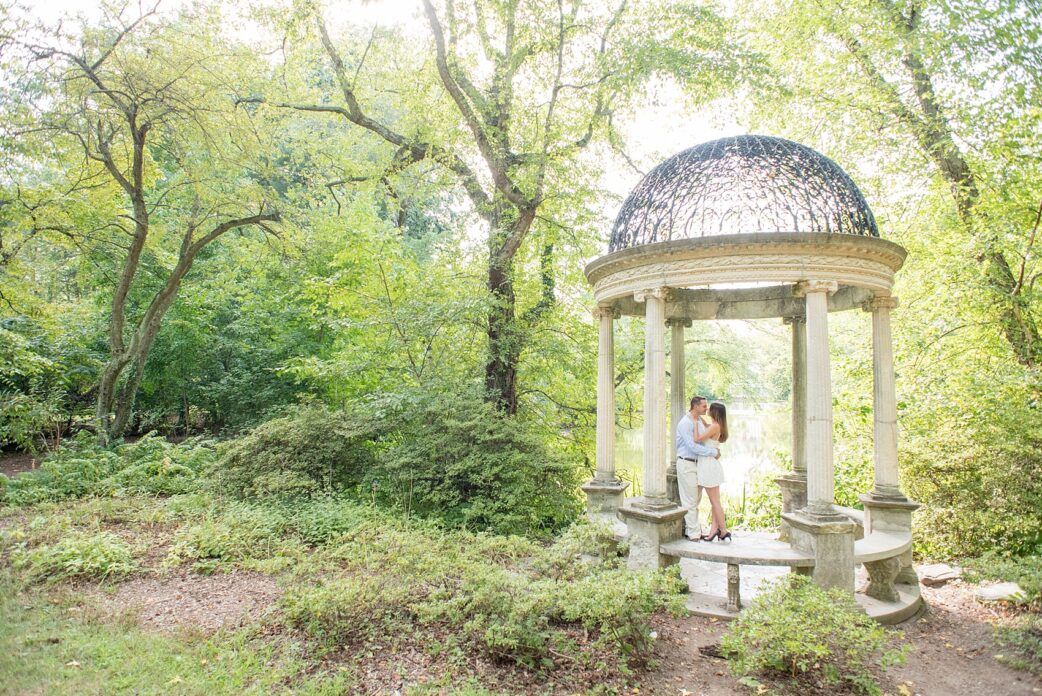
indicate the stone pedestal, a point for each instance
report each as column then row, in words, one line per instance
column 892, row 513
column 830, row 539
column 603, row 499
column 648, row 529
column 793, row 486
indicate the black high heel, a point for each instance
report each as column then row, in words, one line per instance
column 725, row 537
column 710, row 537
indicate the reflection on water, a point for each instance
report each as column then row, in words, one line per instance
column 759, row 432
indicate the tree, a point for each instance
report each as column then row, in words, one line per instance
column 956, row 81
column 139, row 128
column 519, row 92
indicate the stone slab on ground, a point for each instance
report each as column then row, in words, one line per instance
column 937, row 574
column 1001, row 592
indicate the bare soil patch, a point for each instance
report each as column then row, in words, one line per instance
column 14, row 463
column 203, row 603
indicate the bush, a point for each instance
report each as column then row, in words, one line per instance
column 348, row 610
column 456, row 459
column 323, row 519
column 239, row 532
column 96, row 556
column 447, row 457
column 314, row 449
column 795, row 630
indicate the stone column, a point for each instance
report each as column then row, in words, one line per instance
column 799, row 395
column 818, row 528
column 604, row 493
column 820, row 468
column 793, row 484
column 886, row 507
column 677, row 400
column 884, row 398
column 655, row 494
column 653, row 518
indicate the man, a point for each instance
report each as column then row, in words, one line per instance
column 688, row 452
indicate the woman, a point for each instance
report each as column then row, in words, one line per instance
column 710, row 473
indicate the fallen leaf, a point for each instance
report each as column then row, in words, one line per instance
column 72, row 663
column 175, row 680
column 903, row 690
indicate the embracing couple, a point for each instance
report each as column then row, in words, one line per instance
column 698, row 466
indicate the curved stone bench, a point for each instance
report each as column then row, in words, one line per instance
column 746, row 549
column 741, row 551
column 879, row 546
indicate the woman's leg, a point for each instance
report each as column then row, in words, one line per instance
column 718, row 509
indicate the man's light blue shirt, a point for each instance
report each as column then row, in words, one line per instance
column 686, row 445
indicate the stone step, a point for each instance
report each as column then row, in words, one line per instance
column 746, row 548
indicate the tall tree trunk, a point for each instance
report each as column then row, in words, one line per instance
column 504, row 341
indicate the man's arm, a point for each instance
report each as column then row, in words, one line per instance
column 700, row 450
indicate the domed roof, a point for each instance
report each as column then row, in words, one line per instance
column 742, row 184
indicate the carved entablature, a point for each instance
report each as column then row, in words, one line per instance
column 857, row 267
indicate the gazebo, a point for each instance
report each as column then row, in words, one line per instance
column 755, row 227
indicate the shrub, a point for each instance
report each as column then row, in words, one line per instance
column 796, row 630
column 452, row 458
column 314, row 449
column 348, row 610
column 455, row 458
column 318, row 521
column 240, row 532
column 97, row 556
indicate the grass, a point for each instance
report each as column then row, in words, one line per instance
column 50, row 642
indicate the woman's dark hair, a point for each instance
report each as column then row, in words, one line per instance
column 718, row 412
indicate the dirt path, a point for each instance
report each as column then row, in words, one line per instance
column 953, row 652
column 14, row 463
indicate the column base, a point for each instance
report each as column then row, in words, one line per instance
column 888, row 510
column 830, row 538
column 793, row 485
column 648, row 530
column 603, row 499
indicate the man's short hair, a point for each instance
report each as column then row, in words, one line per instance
column 696, row 400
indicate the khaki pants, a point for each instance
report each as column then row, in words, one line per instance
column 690, row 496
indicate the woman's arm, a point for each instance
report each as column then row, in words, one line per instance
column 709, row 433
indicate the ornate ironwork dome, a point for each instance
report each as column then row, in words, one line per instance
column 742, row 184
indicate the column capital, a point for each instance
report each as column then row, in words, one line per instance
column 678, row 321
column 805, row 287
column 658, row 293
column 788, row 321
column 880, row 302
column 601, row 311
